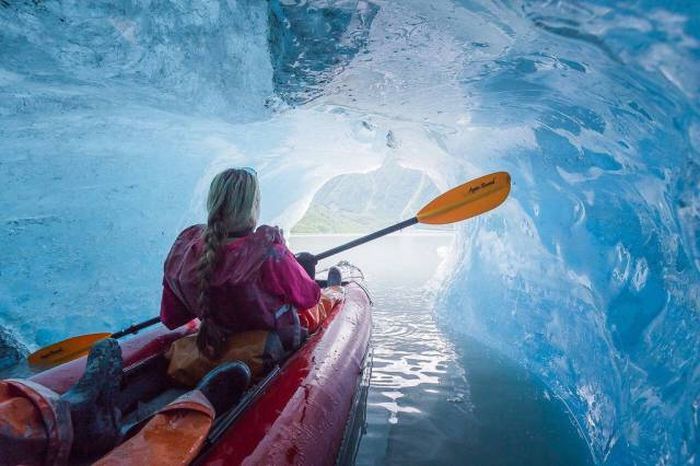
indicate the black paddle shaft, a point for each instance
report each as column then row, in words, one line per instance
column 135, row 328
column 365, row 239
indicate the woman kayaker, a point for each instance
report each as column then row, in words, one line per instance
column 245, row 285
column 256, row 301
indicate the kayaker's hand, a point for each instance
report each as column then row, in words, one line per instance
column 308, row 261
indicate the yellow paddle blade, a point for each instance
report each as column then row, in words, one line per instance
column 64, row 351
column 467, row 200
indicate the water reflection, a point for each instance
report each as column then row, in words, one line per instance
column 431, row 402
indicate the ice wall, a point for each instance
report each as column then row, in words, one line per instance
column 312, row 41
column 589, row 275
column 206, row 56
column 107, row 114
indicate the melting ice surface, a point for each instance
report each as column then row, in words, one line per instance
column 113, row 119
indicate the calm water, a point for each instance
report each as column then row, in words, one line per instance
column 430, row 401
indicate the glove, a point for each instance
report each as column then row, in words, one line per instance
column 308, row 262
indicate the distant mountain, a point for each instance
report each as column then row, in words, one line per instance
column 363, row 202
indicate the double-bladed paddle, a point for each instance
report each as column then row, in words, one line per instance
column 465, row 201
column 73, row 348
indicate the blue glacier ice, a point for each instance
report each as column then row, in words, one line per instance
column 113, row 117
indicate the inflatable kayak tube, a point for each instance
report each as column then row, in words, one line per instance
column 309, row 410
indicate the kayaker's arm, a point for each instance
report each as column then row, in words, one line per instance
column 284, row 276
column 173, row 312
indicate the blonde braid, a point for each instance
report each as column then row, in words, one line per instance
column 233, row 204
column 214, row 235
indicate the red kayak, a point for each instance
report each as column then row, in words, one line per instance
column 306, row 411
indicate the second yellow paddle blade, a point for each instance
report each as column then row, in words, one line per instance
column 465, row 201
column 65, row 350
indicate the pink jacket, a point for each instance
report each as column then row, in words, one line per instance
column 255, row 277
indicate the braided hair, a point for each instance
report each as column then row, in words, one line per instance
column 233, row 205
